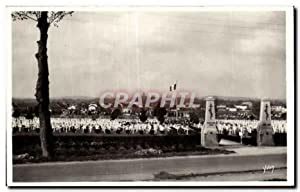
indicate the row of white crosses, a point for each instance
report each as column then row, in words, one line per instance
column 264, row 128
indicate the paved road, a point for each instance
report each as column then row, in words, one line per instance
column 279, row 174
column 144, row 169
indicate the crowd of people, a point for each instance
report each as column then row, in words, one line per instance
column 135, row 126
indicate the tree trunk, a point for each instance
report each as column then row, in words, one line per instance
column 42, row 88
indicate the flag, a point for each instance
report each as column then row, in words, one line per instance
column 173, row 87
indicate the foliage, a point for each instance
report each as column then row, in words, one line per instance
column 16, row 114
column 115, row 114
column 53, row 17
column 143, row 115
column 194, row 117
column 160, row 113
column 29, row 116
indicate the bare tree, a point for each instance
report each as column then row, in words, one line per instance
column 44, row 19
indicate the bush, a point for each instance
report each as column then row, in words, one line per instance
column 149, row 151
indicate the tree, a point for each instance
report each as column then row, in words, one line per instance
column 115, row 114
column 283, row 116
column 194, row 117
column 44, row 19
column 16, row 111
column 143, row 115
column 159, row 113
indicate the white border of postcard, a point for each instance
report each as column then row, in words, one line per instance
column 289, row 97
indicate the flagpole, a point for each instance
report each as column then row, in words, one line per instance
column 175, row 89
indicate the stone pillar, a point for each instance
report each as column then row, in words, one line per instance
column 209, row 130
column 264, row 128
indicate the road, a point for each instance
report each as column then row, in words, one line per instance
column 279, row 175
column 144, row 169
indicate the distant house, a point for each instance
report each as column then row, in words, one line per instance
column 72, row 107
column 92, row 107
column 126, row 110
column 180, row 112
column 280, row 109
column 231, row 109
column 221, row 107
column 247, row 103
column 241, row 107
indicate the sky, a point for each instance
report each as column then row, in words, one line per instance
column 222, row 53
